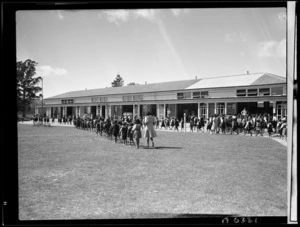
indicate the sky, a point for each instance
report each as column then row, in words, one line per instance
column 86, row 49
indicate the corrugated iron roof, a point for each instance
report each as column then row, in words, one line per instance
column 238, row 81
column 215, row 82
column 269, row 78
column 155, row 87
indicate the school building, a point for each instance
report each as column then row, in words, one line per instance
column 255, row 92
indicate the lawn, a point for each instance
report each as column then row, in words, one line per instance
column 65, row 173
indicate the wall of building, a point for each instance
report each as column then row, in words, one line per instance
column 165, row 98
column 115, row 98
column 149, row 96
column 221, row 93
column 82, row 100
column 52, row 101
column 231, row 91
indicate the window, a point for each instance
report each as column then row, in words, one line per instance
column 264, row 91
column 67, row 101
column 196, row 95
column 281, row 109
column 220, row 108
column 103, row 99
column 172, row 108
column 204, row 94
column 252, row 92
column 277, row 91
column 127, row 98
column 203, row 110
column 231, row 108
column 136, row 110
column 137, row 98
column 184, row 95
column 180, row 95
column 96, row 99
column 187, row 95
column 161, row 112
column 98, row 110
column 241, row 92
column 260, row 104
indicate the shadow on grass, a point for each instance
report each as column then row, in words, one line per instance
column 160, row 147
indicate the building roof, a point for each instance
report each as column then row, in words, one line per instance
column 215, row 82
column 131, row 89
column 238, row 81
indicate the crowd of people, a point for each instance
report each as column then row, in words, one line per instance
column 39, row 120
column 127, row 129
column 254, row 124
column 46, row 120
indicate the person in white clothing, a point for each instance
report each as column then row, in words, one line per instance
column 150, row 133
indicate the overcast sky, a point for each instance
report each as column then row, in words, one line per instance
column 88, row 48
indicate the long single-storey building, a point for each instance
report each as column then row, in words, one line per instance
column 255, row 92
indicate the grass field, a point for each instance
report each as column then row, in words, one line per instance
column 65, row 173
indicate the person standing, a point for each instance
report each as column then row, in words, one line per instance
column 270, row 128
column 196, row 121
column 163, row 123
column 115, row 129
column 192, row 124
column 218, row 124
column 258, row 127
column 48, row 121
column 222, row 124
column 123, row 132
column 181, row 125
column 137, row 133
column 234, row 124
column 156, row 123
column 167, row 123
column 130, row 133
column 172, row 123
column 214, row 124
column 149, row 129
column 176, row 124
column 248, row 126
column 284, row 129
column 208, row 125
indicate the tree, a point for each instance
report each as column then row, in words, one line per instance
column 26, row 85
column 118, row 82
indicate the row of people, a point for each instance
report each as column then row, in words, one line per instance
column 45, row 120
column 118, row 129
column 249, row 124
column 113, row 129
column 39, row 120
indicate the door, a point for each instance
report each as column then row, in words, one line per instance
column 211, row 109
column 103, row 112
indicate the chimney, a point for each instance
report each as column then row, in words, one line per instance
column 248, row 72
